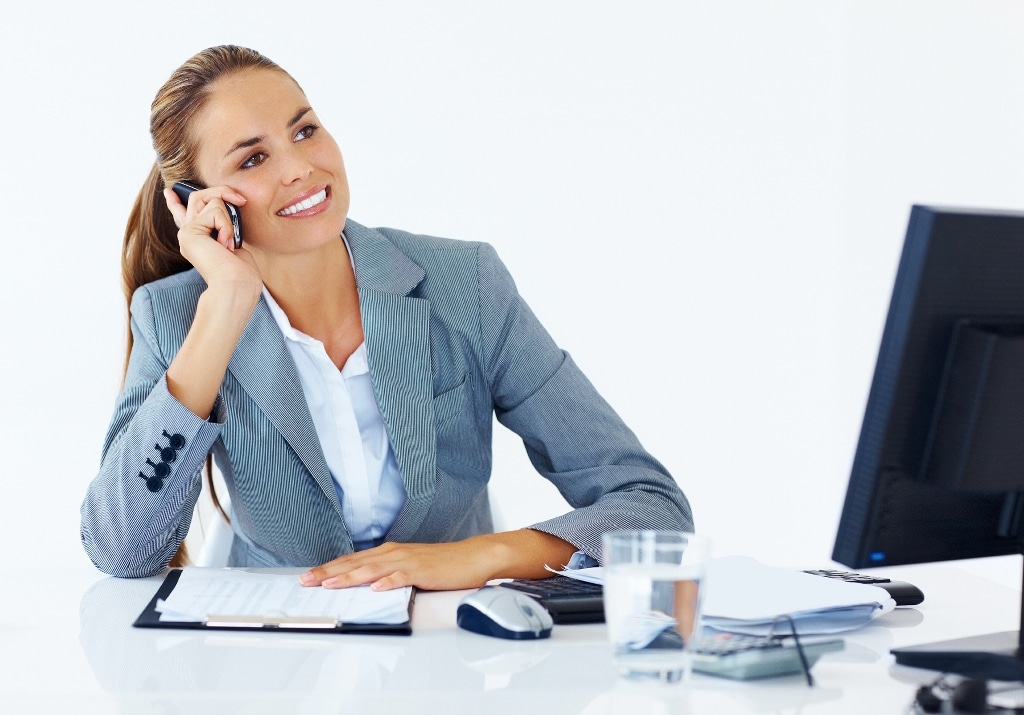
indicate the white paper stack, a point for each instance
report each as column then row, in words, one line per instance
column 741, row 595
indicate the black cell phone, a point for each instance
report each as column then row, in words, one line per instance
column 184, row 188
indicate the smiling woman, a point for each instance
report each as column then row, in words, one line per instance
column 344, row 379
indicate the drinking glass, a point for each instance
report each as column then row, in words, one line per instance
column 652, row 598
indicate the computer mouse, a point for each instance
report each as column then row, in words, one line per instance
column 503, row 613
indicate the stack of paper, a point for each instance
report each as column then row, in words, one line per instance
column 741, row 595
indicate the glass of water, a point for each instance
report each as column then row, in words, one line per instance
column 652, row 598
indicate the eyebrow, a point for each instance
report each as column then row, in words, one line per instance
column 246, row 143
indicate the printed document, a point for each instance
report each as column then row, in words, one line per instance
column 204, row 592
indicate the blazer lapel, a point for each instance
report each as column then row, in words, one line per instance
column 396, row 329
column 264, row 368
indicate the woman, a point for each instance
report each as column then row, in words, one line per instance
column 343, row 378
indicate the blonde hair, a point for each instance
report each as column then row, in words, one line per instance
column 151, row 237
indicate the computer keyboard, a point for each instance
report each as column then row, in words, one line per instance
column 570, row 600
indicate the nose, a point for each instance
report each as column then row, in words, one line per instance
column 295, row 167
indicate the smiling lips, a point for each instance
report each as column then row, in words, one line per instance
column 307, row 203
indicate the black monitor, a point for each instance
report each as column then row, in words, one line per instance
column 938, row 473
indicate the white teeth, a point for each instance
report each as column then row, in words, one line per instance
column 304, row 204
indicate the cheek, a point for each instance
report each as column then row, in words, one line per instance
column 330, row 158
column 329, row 155
column 342, row 180
column 258, row 199
column 254, row 214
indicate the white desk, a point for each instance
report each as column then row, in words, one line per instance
column 67, row 646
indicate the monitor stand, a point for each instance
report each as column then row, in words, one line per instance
column 996, row 656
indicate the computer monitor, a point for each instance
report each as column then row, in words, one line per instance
column 938, row 473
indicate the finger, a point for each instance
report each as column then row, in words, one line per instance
column 321, row 574
column 224, row 193
column 198, row 200
column 348, row 562
column 233, row 197
column 219, row 221
column 361, row 576
column 398, row 579
column 316, row 575
column 212, row 221
column 176, row 208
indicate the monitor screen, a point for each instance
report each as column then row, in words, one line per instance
column 940, row 462
column 938, row 473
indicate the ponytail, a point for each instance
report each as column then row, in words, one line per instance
column 150, row 243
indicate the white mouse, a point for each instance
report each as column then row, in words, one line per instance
column 503, row 613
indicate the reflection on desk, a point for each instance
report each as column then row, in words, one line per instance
column 71, row 648
column 308, row 670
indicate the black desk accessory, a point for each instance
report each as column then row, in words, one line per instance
column 905, row 594
column 568, row 600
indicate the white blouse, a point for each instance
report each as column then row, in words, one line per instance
column 351, row 432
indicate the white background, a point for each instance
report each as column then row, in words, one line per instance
column 703, row 201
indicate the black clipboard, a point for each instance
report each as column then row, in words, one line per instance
column 150, row 618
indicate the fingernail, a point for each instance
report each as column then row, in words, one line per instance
column 306, row 578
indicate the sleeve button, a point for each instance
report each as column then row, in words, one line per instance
column 167, row 454
column 161, row 470
column 176, row 440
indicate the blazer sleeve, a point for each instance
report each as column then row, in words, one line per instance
column 138, row 508
column 572, row 435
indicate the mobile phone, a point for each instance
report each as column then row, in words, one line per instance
column 184, row 188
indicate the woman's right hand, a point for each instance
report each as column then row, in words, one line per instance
column 233, row 289
column 217, row 260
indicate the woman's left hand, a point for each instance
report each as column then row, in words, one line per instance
column 469, row 563
column 433, row 567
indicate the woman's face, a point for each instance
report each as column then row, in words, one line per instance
column 258, row 135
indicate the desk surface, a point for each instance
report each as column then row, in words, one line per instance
column 67, row 645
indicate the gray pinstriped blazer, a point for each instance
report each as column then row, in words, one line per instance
column 450, row 344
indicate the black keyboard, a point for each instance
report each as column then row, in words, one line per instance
column 568, row 600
